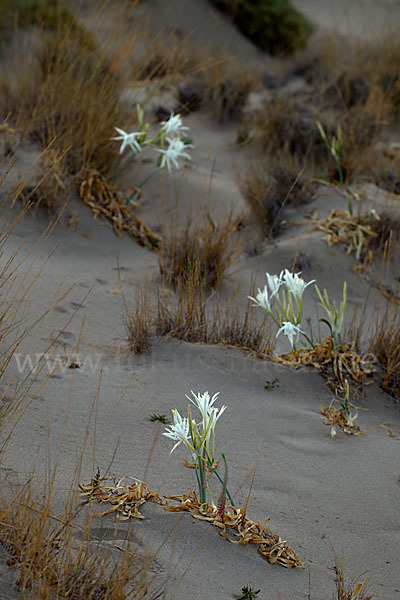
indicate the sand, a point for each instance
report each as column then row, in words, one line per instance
column 320, row 493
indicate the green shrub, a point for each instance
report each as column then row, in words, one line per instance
column 49, row 14
column 272, row 25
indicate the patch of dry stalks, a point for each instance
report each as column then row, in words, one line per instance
column 192, row 316
column 67, row 94
column 198, row 258
column 385, row 345
column 267, row 192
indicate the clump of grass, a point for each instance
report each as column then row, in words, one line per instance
column 56, row 556
column 167, row 56
column 227, row 84
column 273, row 25
column 67, row 94
column 198, row 258
column 386, row 229
column 139, row 324
column 288, row 130
column 385, row 345
column 268, row 192
column 350, row 591
column 190, row 317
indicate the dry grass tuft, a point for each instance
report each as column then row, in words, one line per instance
column 199, row 258
column 56, row 557
column 227, row 84
column 192, row 317
column 350, row 591
column 139, row 323
column 385, row 345
column 67, row 94
column 287, row 130
column 268, row 192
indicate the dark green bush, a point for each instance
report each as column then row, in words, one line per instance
column 273, row 25
column 49, row 14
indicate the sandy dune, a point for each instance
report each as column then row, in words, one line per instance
column 318, row 492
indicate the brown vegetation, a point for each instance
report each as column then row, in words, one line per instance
column 198, row 258
column 192, row 317
column 385, row 345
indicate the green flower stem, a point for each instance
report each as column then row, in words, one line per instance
column 340, row 172
column 197, row 476
column 122, row 163
column 308, row 339
column 202, row 488
column 141, row 184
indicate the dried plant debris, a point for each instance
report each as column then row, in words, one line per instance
column 344, row 418
column 335, row 363
column 128, row 494
column 105, row 201
column 342, row 227
column 125, row 495
column 363, row 233
column 271, row 546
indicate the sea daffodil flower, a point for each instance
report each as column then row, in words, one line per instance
column 179, row 432
column 295, row 284
column 196, row 438
column 205, row 405
column 290, row 331
column 274, row 283
column 174, row 151
column 262, row 299
column 172, row 126
column 128, row 139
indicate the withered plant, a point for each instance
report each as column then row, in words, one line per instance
column 67, row 94
column 199, row 257
column 191, row 316
column 227, row 84
column 348, row 591
column 267, row 192
column 385, row 345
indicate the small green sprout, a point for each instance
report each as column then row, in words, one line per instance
column 248, row 593
column 334, row 146
column 358, row 240
column 161, row 418
column 273, row 383
column 345, row 405
column 335, row 316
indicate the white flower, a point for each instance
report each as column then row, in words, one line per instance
column 262, row 299
column 295, row 284
column 128, row 139
column 203, row 402
column 173, row 125
column 210, row 413
column 173, row 152
column 290, row 330
column 274, row 283
column 215, row 415
column 179, row 431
